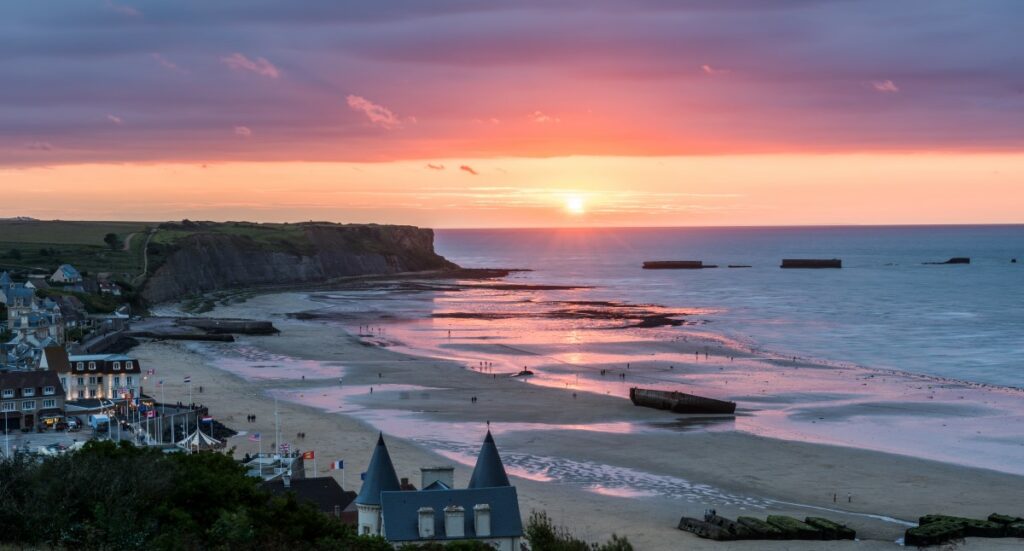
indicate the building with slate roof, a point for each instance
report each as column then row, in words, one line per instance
column 487, row 510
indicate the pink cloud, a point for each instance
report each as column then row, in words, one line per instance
column 115, row 119
column 885, row 86
column 122, row 9
column 39, row 146
column 540, row 118
column 167, row 64
column 435, row 167
column 243, row 131
column 469, row 169
column 260, row 66
column 709, row 70
column 378, row 114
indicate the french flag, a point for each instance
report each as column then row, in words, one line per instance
column 207, row 419
column 338, row 465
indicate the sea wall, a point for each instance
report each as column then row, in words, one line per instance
column 211, row 261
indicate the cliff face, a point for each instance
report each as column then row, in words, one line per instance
column 210, row 261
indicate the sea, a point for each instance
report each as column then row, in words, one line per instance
column 887, row 308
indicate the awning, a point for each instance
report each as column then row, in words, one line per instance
column 11, row 415
column 50, row 413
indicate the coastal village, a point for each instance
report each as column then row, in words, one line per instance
column 58, row 393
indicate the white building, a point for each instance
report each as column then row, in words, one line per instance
column 66, row 274
column 96, row 376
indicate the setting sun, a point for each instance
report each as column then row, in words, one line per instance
column 574, row 204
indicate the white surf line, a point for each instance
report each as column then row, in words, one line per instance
column 882, row 518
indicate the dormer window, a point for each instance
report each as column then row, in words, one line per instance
column 28, row 391
column 80, row 366
column 48, row 390
column 92, row 366
column 117, row 366
column 129, row 365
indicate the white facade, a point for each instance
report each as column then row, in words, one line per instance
column 110, row 377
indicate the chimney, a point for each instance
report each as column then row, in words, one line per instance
column 426, row 523
column 287, row 479
column 482, row 519
column 444, row 475
column 454, row 521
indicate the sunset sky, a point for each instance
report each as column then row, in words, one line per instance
column 481, row 113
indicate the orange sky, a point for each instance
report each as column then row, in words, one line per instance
column 527, row 192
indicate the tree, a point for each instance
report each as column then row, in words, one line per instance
column 14, row 254
column 543, row 535
column 111, row 240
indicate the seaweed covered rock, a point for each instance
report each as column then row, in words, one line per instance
column 760, row 529
column 707, row 530
column 831, row 530
column 1015, row 530
column 794, row 529
column 1004, row 519
column 933, row 533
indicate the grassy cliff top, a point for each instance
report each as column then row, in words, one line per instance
column 40, row 246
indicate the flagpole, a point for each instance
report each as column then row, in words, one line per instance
column 260, row 439
column 314, row 465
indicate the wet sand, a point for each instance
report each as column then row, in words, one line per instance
column 593, row 462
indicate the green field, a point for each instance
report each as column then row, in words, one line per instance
column 41, row 246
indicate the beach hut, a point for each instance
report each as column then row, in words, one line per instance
column 198, row 441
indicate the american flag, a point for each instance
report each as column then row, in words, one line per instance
column 255, row 437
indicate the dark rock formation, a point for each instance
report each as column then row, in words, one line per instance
column 210, row 260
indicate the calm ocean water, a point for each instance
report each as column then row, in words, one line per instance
column 884, row 309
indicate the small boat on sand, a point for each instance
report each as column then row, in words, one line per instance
column 679, row 402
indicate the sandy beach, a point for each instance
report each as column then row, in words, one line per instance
column 577, row 455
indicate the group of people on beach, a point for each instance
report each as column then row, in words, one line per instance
column 250, row 418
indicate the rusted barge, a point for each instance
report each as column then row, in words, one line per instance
column 811, row 263
column 679, row 402
column 677, row 265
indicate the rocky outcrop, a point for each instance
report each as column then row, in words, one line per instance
column 210, row 260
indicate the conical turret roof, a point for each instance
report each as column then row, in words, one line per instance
column 380, row 476
column 489, row 471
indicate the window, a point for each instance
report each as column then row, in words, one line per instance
column 28, row 405
column 92, row 380
column 80, row 366
column 117, row 366
column 8, row 406
column 28, row 391
column 117, row 381
column 49, row 403
column 8, row 393
column 129, row 365
column 64, row 382
column 92, row 366
column 128, row 380
column 81, row 381
column 48, row 390
column 81, row 394
column 92, row 392
column 99, row 379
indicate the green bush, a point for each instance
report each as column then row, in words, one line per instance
column 543, row 535
column 109, row 496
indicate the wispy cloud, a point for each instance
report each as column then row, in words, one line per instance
column 540, row 118
column 39, row 146
column 115, row 119
column 378, row 114
column 167, row 64
column 122, row 9
column 432, row 166
column 469, row 169
column 709, row 70
column 260, row 65
column 885, row 86
column 243, row 131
